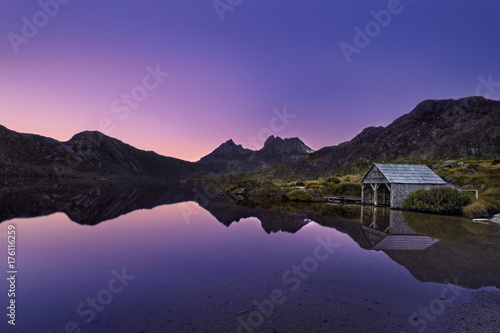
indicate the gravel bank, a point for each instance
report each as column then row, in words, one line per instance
column 481, row 313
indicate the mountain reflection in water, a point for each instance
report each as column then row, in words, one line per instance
column 432, row 248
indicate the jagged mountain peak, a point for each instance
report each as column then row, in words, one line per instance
column 229, row 146
column 224, row 151
column 272, row 139
column 275, row 150
column 288, row 146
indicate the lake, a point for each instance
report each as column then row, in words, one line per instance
column 120, row 257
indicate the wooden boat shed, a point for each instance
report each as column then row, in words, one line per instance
column 389, row 184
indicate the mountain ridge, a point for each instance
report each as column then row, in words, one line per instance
column 230, row 157
column 467, row 127
column 443, row 129
column 92, row 154
column 88, row 154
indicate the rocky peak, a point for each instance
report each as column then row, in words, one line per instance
column 88, row 135
column 271, row 140
column 229, row 146
column 225, row 150
column 289, row 146
column 276, row 150
column 467, row 103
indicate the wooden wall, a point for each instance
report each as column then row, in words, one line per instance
column 401, row 191
column 375, row 177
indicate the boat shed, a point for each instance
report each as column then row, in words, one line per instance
column 389, row 184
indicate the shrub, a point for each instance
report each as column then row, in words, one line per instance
column 332, row 180
column 267, row 189
column 313, row 185
column 437, row 200
column 247, row 184
column 495, row 162
column 493, row 193
column 299, row 195
column 481, row 208
column 350, row 189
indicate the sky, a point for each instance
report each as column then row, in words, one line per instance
column 181, row 77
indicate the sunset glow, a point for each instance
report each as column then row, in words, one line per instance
column 226, row 77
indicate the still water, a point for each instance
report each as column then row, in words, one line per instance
column 108, row 257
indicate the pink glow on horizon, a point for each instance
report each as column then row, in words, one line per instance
column 187, row 116
column 226, row 77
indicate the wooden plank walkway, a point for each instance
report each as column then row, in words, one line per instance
column 343, row 199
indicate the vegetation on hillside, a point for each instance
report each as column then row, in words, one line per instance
column 481, row 175
column 275, row 191
column 259, row 187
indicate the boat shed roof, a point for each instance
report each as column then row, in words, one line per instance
column 407, row 173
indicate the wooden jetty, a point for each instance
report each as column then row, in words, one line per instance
column 343, row 199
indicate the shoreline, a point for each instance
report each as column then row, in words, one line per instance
column 478, row 313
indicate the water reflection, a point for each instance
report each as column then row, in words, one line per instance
column 386, row 229
column 85, row 202
column 432, row 248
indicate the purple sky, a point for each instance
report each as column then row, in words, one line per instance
column 225, row 77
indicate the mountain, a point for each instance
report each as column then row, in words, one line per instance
column 91, row 154
column 228, row 151
column 87, row 154
column 230, row 157
column 284, row 150
column 435, row 129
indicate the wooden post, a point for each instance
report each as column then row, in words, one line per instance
column 374, row 225
column 362, row 194
column 375, row 188
column 390, row 193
